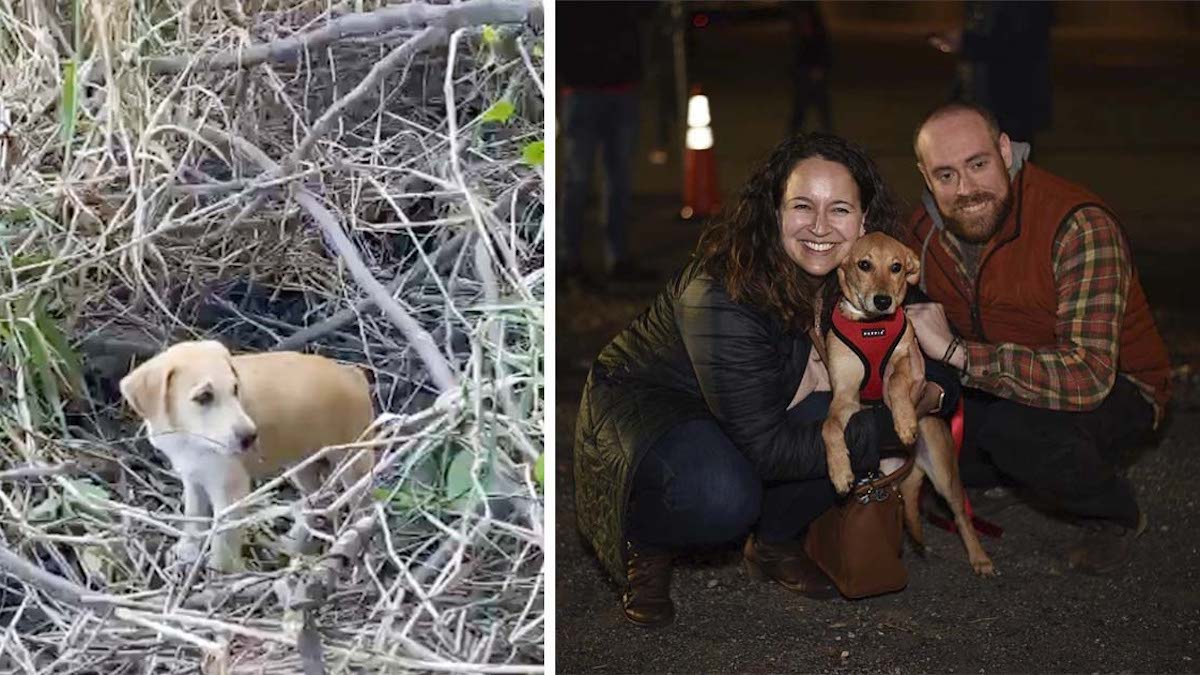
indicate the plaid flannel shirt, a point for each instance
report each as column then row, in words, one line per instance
column 1092, row 272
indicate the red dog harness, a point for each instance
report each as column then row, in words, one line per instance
column 873, row 342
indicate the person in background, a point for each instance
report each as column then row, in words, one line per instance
column 813, row 58
column 599, row 76
column 1004, row 51
column 1037, row 304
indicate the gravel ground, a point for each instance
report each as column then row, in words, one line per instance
column 1034, row 616
column 1137, row 150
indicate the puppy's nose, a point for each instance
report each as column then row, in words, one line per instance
column 882, row 302
column 247, row 438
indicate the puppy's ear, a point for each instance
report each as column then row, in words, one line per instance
column 146, row 387
column 841, row 272
column 912, row 266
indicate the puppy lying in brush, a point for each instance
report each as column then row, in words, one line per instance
column 223, row 420
column 869, row 322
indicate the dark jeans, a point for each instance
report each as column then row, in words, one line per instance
column 1068, row 458
column 695, row 489
column 604, row 121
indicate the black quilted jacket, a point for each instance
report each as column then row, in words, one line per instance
column 693, row 353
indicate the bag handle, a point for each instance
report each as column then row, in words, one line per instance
column 884, row 482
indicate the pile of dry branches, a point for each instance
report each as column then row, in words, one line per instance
column 357, row 179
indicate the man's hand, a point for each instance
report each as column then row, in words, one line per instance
column 933, row 332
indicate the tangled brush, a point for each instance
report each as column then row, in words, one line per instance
column 361, row 180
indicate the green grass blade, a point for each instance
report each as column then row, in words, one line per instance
column 68, row 109
column 71, row 367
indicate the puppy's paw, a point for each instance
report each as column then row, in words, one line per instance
column 227, row 564
column 983, row 567
column 840, row 475
column 185, row 551
column 842, row 482
column 906, row 429
column 298, row 541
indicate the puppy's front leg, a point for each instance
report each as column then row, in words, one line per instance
column 228, row 488
column 299, row 539
column 195, row 507
column 845, row 372
column 899, row 388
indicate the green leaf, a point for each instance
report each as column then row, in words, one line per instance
column 539, row 469
column 409, row 497
column 16, row 216
column 46, row 510
column 458, row 477
column 71, row 367
column 88, row 489
column 68, row 108
column 44, row 381
column 94, row 562
column 534, row 153
column 501, row 111
column 538, row 51
column 490, row 36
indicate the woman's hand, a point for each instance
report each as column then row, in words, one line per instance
column 816, row 378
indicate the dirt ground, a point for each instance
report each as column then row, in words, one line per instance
column 1035, row 616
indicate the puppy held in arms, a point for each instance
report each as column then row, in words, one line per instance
column 870, row 336
column 224, row 420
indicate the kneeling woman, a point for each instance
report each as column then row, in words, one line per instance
column 701, row 421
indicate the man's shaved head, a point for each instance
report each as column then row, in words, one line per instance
column 953, row 108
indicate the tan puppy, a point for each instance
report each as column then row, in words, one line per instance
column 223, row 420
column 874, row 279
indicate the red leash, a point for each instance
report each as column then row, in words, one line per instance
column 956, row 432
column 982, row 526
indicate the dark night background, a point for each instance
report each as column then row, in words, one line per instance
column 1126, row 99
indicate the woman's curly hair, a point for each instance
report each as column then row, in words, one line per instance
column 744, row 249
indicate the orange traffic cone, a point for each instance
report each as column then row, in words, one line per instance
column 699, row 164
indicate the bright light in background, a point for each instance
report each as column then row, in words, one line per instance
column 699, row 139
column 698, row 111
column 699, row 133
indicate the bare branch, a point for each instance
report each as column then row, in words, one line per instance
column 448, row 17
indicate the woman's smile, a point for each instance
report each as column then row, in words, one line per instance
column 818, row 246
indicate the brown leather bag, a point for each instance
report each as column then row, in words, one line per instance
column 858, row 542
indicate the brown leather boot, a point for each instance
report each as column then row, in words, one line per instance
column 647, row 599
column 788, row 565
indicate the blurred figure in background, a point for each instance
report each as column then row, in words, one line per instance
column 660, row 74
column 1004, row 49
column 599, row 73
column 813, row 59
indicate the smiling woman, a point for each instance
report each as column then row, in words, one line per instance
column 820, row 217
column 701, row 421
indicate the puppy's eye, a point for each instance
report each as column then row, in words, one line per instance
column 203, row 398
column 235, row 391
column 895, row 268
column 864, row 265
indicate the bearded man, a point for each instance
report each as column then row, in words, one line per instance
column 1037, row 304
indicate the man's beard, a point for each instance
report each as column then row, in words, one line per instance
column 979, row 227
